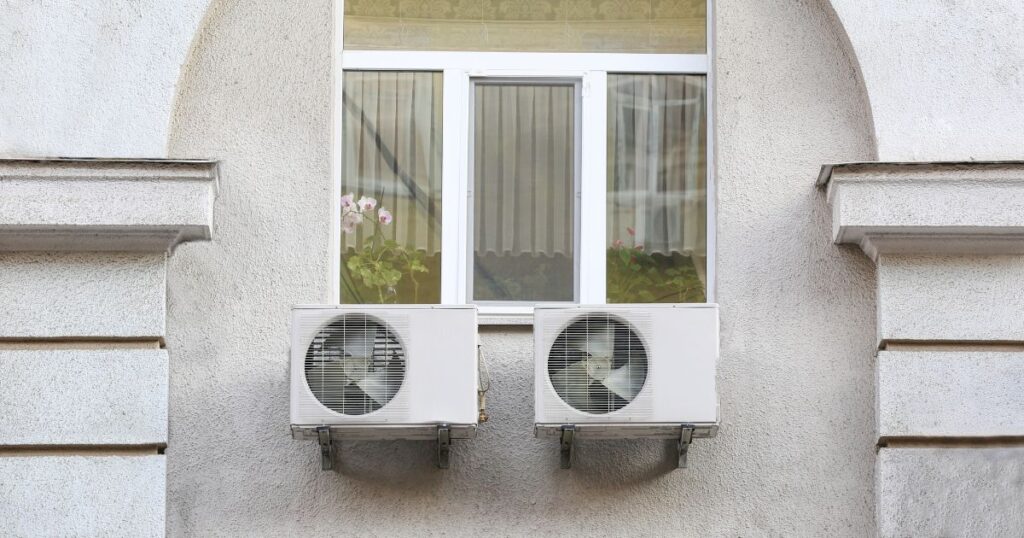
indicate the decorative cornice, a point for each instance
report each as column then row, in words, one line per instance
column 105, row 204
column 974, row 208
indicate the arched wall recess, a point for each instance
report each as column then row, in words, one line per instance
column 945, row 93
column 104, row 88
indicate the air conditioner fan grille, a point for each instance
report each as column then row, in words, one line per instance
column 597, row 364
column 355, row 365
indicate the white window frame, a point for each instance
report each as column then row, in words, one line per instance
column 459, row 69
column 490, row 77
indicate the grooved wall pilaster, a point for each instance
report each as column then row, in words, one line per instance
column 83, row 372
column 948, row 243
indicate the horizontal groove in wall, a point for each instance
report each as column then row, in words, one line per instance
column 80, row 343
column 81, row 450
column 950, row 442
column 951, row 345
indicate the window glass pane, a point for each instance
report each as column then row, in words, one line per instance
column 657, row 197
column 637, row 26
column 524, row 177
column 391, row 187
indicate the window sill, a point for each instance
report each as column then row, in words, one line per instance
column 505, row 320
column 505, row 316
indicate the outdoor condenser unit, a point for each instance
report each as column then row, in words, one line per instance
column 611, row 371
column 365, row 372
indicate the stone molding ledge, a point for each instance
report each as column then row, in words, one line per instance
column 943, row 208
column 128, row 205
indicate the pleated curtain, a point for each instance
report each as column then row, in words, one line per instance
column 391, row 151
column 524, row 169
column 523, row 161
column 657, row 163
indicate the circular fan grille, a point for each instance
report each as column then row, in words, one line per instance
column 597, row 364
column 355, row 365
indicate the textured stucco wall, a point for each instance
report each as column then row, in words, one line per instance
column 82, row 495
column 951, row 491
column 945, row 76
column 795, row 455
column 91, row 78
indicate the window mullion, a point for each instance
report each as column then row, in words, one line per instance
column 593, row 188
column 454, row 186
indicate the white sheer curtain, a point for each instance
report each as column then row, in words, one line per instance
column 523, row 169
column 657, row 193
column 391, row 148
column 524, row 162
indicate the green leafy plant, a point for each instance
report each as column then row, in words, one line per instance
column 381, row 263
column 637, row 276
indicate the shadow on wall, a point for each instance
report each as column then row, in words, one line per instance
column 399, row 465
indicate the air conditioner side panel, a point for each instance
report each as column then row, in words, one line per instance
column 685, row 354
column 442, row 366
column 304, row 324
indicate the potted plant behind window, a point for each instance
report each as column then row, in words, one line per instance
column 380, row 263
column 638, row 276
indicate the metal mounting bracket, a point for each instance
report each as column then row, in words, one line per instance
column 444, row 445
column 685, row 438
column 326, row 448
column 567, row 438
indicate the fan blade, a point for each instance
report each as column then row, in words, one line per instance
column 354, row 368
column 351, row 400
column 328, row 372
column 603, row 400
column 626, row 382
column 597, row 341
column 379, row 385
column 573, row 380
column 357, row 344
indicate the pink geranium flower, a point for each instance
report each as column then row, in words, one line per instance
column 367, row 204
column 347, row 201
column 350, row 221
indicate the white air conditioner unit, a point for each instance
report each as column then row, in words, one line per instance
column 384, row 372
column 626, row 371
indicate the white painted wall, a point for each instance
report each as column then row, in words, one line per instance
column 795, row 455
column 945, row 77
column 91, row 78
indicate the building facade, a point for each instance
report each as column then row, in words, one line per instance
column 863, row 206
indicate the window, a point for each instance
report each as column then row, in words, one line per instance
column 507, row 156
column 391, row 183
column 657, row 188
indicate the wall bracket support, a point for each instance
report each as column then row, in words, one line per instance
column 326, row 448
column 567, row 445
column 685, row 438
column 444, row 446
